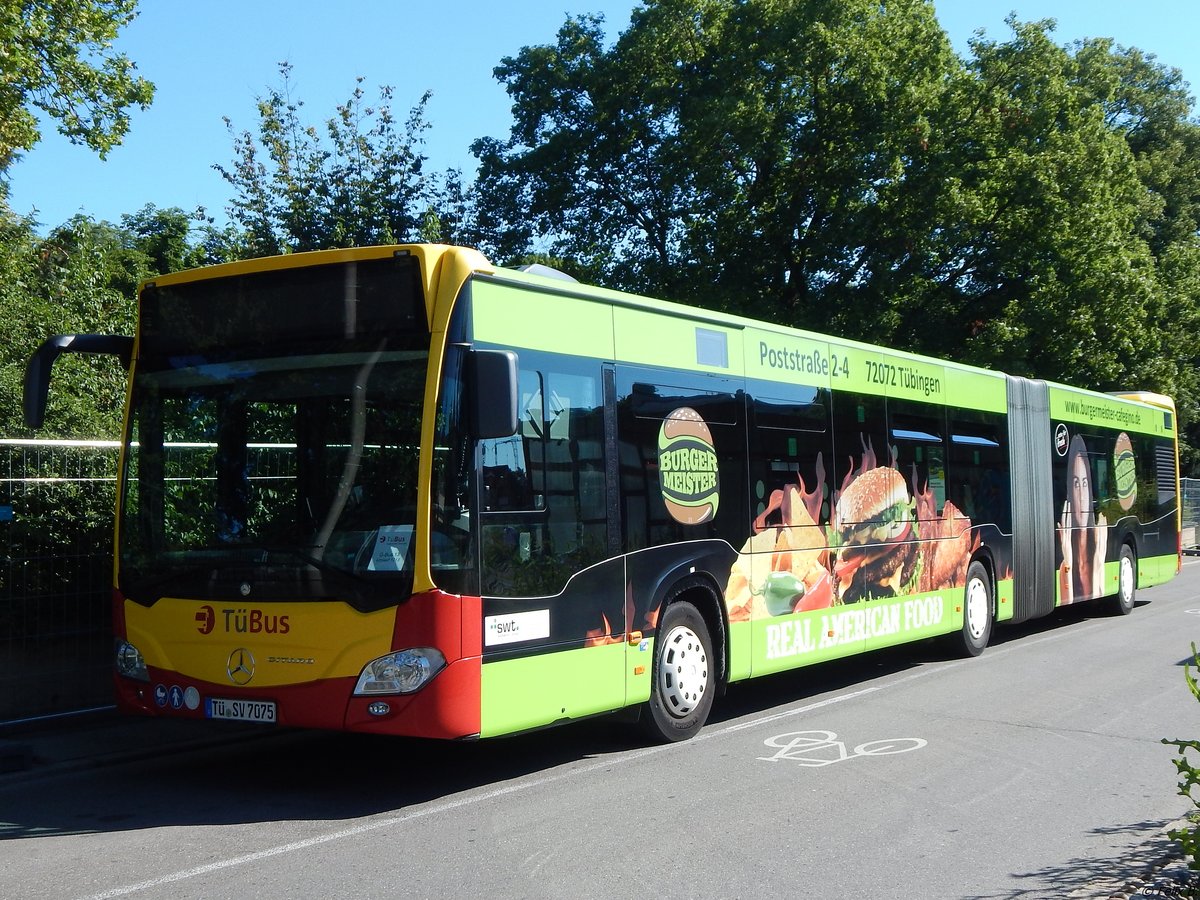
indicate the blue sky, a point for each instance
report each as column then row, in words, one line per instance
column 212, row 59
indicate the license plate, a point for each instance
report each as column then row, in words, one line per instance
column 240, row 710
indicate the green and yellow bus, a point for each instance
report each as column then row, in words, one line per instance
column 402, row 490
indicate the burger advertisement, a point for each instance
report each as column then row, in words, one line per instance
column 875, row 562
column 821, row 569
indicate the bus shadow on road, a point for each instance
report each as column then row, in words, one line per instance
column 333, row 776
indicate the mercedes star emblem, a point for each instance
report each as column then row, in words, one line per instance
column 240, row 667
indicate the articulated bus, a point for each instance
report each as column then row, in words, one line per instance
column 402, row 490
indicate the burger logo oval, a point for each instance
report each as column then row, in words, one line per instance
column 1125, row 472
column 687, row 468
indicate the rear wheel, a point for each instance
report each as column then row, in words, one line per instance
column 683, row 678
column 1121, row 603
column 977, row 611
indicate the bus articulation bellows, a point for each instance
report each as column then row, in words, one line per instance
column 402, row 490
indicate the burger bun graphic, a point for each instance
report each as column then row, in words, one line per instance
column 874, row 522
column 687, row 465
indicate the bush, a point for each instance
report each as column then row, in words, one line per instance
column 1188, row 836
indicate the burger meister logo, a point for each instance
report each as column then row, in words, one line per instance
column 687, row 468
column 1125, row 472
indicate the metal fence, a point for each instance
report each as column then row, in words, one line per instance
column 1189, row 499
column 56, row 510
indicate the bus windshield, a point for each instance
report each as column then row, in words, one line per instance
column 282, row 472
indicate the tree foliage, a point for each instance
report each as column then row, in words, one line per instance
column 833, row 164
column 81, row 278
column 355, row 180
column 58, row 58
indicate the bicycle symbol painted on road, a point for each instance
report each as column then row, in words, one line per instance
column 822, row 748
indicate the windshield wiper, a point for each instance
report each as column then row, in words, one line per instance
column 307, row 558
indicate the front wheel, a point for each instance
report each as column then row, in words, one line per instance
column 681, row 692
column 977, row 611
column 1121, row 603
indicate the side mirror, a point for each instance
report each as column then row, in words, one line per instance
column 37, row 370
column 494, row 394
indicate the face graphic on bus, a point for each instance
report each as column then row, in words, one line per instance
column 1080, row 485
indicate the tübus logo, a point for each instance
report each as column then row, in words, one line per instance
column 1062, row 440
column 242, row 621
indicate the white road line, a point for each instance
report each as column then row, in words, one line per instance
column 607, row 762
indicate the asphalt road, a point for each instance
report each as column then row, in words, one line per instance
column 1035, row 770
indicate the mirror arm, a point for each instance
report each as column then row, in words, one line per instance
column 37, row 371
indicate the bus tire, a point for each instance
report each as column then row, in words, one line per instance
column 1121, row 603
column 683, row 678
column 978, row 611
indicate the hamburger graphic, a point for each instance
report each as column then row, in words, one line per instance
column 688, row 468
column 873, row 524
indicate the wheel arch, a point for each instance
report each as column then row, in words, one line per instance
column 985, row 557
column 700, row 589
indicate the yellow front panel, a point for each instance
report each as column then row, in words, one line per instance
column 290, row 642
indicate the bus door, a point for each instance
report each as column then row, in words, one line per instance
column 552, row 580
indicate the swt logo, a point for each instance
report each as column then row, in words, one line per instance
column 207, row 619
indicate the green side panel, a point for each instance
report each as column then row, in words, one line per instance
column 740, row 639
column 976, row 389
column 785, row 642
column 1070, row 405
column 893, row 375
column 800, row 358
column 1112, row 578
column 639, row 662
column 790, row 358
column 514, row 316
column 1156, row 570
column 1004, row 600
column 654, row 339
column 531, row 691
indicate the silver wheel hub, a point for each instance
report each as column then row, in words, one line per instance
column 682, row 671
column 977, row 608
column 1126, row 576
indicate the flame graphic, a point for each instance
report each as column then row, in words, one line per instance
column 947, row 540
column 788, row 500
column 869, row 461
column 598, row 637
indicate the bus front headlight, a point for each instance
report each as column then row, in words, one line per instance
column 401, row 672
column 130, row 662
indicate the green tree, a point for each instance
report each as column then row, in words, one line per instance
column 728, row 153
column 357, row 179
column 58, row 58
column 1148, row 105
column 81, row 278
column 164, row 237
column 833, row 164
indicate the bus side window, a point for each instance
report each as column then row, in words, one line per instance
column 513, row 467
column 979, row 484
column 917, row 436
column 860, row 439
column 545, row 512
column 790, row 450
column 645, row 404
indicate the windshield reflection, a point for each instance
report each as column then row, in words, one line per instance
column 273, row 465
